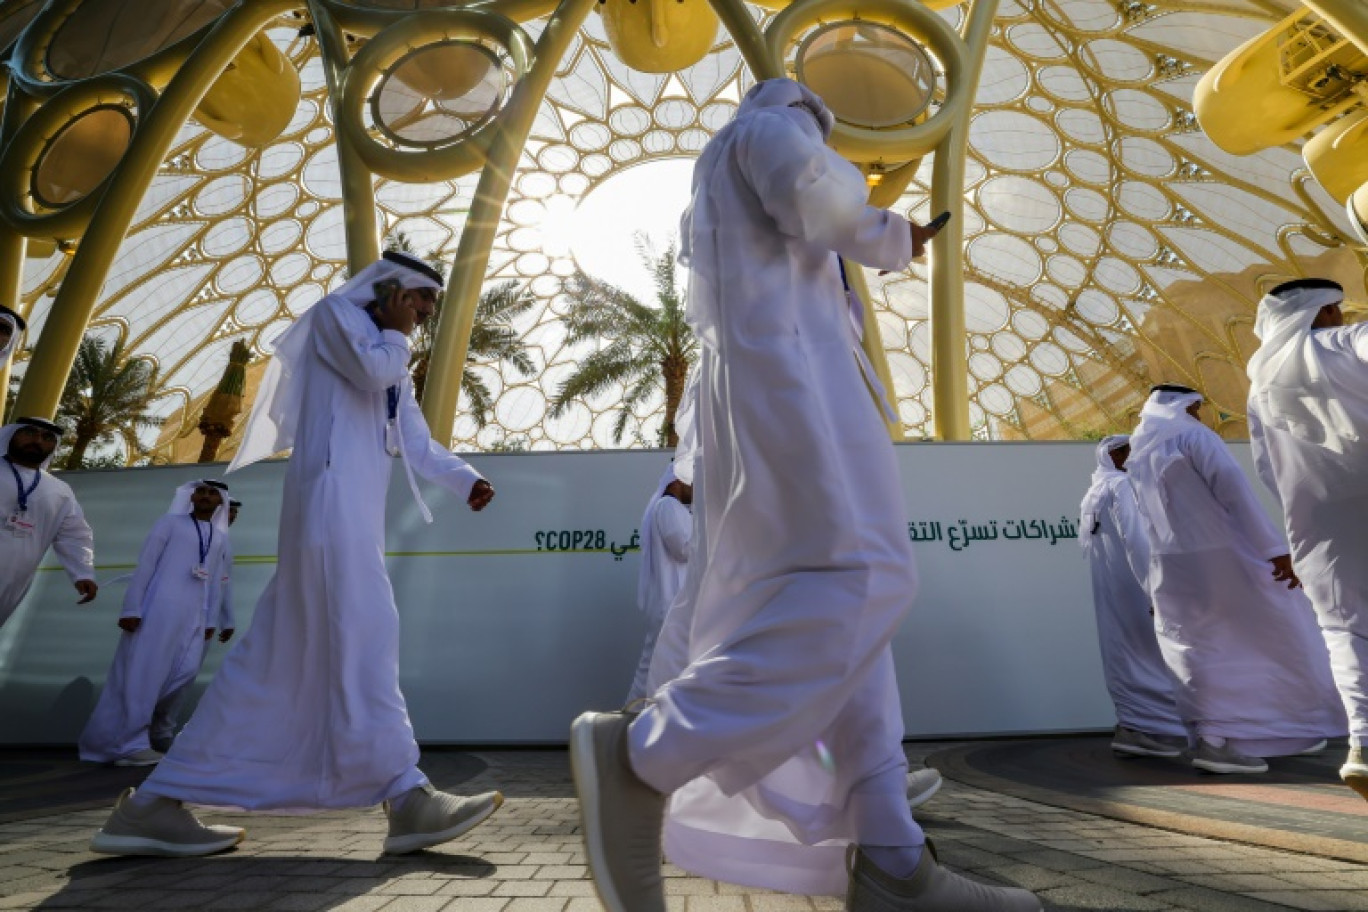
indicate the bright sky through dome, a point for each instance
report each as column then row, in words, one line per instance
column 648, row 198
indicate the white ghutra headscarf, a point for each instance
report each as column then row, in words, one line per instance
column 1165, row 415
column 17, row 327
column 1286, row 377
column 181, row 505
column 1105, row 478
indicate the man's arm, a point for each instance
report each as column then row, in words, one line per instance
column 350, row 344
column 1233, row 491
column 815, row 195
column 429, row 458
column 1258, row 445
column 226, row 622
column 674, row 525
column 74, row 545
column 1125, row 513
column 149, row 559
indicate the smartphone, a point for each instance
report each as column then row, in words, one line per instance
column 383, row 291
column 939, row 221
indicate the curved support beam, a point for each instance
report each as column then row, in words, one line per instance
column 872, row 343
column 748, row 39
column 442, row 392
column 12, row 249
column 949, row 356
column 1349, row 17
column 55, row 352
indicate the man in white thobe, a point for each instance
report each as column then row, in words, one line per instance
column 306, row 712
column 1308, row 422
column 1113, row 537
column 779, row 745
column 39, row 511
column 167, row 716
column 168, row 610
column 666, row 528
column 1251, row 672
column 12, row 326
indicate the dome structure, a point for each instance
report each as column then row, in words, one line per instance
column 1127, row 177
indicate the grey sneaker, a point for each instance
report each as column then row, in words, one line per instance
column 922, row 784
column 1225, row 759
column 620, row 816
column 144, row 757
column 427, row 817
column 163, row 828
column 930, row 889
column 1128, row 742
column 1355, row 772
column 1314, row 749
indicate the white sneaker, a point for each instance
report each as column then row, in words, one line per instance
column 145, row 757
column 1225, row 759
column 1355, row 772
column 163, row 828
column 427, row 817
column 1129, row 742
column 922, row 784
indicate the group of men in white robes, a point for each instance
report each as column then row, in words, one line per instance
column 170, row 611
column 39, row 512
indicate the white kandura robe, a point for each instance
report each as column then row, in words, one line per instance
column 58, row 523
column 154, row 664
column 1324, row 495
column 1249, row 663
column 306, row 711
column 663, row 572
column 781, row 740
column 1113, row 536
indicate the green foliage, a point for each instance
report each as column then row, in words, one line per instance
column 107, row 397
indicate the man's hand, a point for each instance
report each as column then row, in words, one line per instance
column 208, row 634
column 480, row 495
column 226, row 634
column 396, row 313
column 1283, row 572
column 87, row 588
column 130, row 625
column 923, row 233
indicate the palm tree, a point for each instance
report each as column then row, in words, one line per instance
column 492, row 337
column 107, row 396
column 648, row 347
column 225, row 403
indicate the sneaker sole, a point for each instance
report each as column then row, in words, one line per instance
column 1356, row 780
column 925, row 795
column 1212, row 766
column 136, row 763
column 584, row 770
column 402, row 845
column 106, row 844
column 1130, row 750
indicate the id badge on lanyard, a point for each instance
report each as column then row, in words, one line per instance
column 392, row 444
column 200, row 571
column 18, row 524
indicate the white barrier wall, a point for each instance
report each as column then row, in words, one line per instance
column 518, row 618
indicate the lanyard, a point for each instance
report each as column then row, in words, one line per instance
column 392, row 400
column 845, row 283
column 203, row 546
column 23, row 493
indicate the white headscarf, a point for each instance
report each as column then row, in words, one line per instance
column 275, row 413
column 1286, row 377
column 7, row 433
column 1105, row 478
column 15, row 332
column 789, row 93
column 648, row 568
column 181, row 505
column 1165, row 415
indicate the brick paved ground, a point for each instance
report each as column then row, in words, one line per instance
column 528, row 859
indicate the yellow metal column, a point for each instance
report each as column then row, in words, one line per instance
column 442, row 392
column 12, row 247
column 55, row 352
column 949, row 357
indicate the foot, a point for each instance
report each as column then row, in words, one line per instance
column 922, row 784
column 163, row 827
column 145, row 757
column 426, row 817
column 931, row 889
column 1225, row 759
column 620, row 815
column 1355, row 772
column 1127, row 742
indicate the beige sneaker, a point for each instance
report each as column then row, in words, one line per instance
column 930, row 889
column 620, row 816
column 1129, row 742
column 1355, row 772
column 144, row 757
column 1225, row 759
column 427, row 817
column 922, row 784
column 163, row 828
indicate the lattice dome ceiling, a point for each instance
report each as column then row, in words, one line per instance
column 1110, row 244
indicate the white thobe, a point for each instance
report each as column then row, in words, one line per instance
column 1249, row 663
column 1137, row 679
column 1324, row 496
column 672, row 527
column 153, row 664
column 306, row 711
column 57, row 523
column 781, row 740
